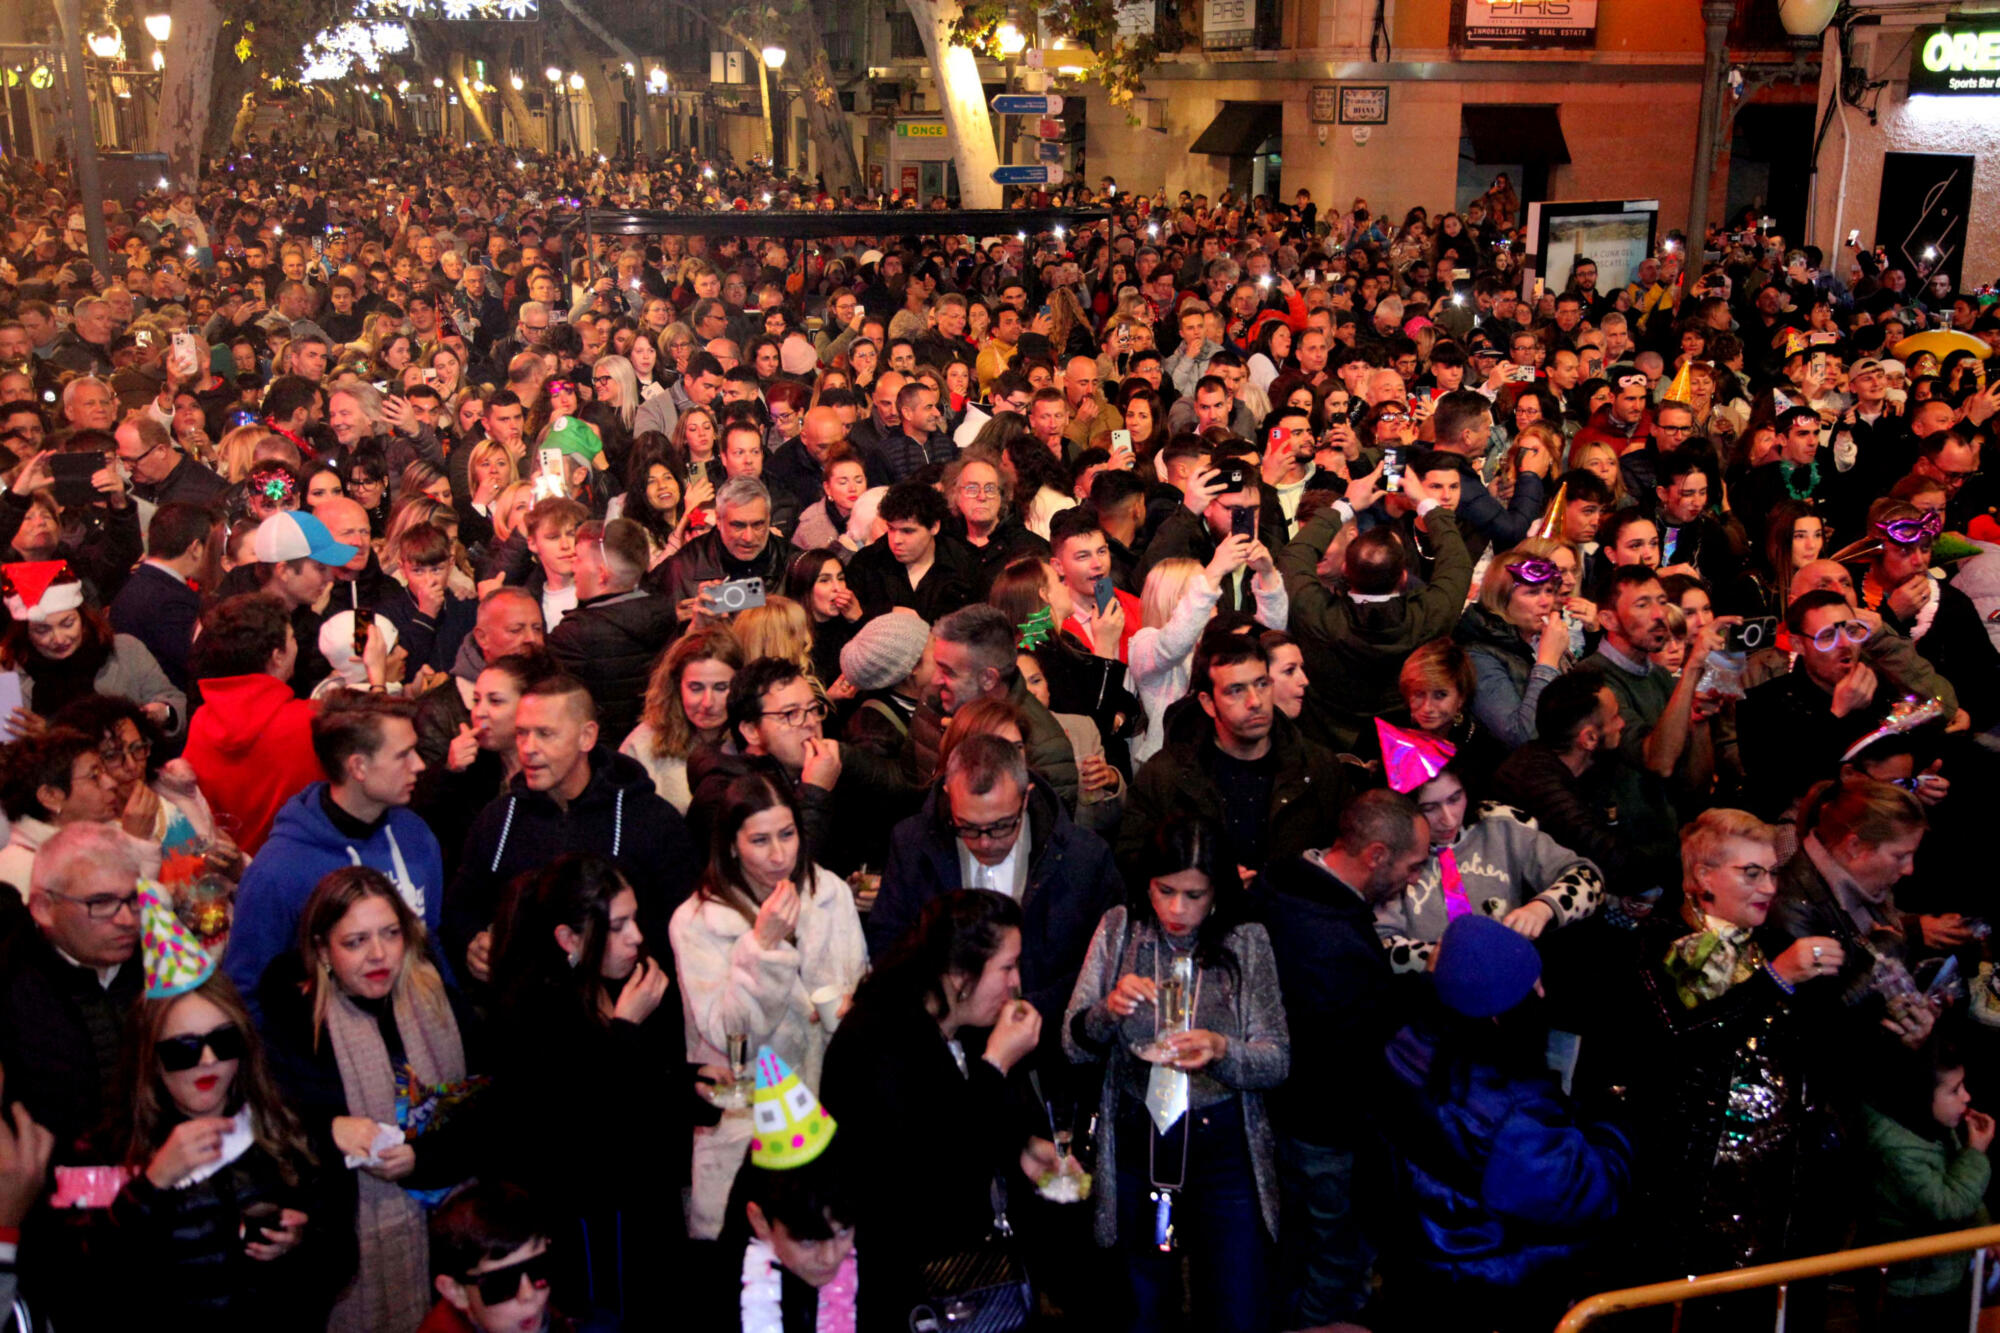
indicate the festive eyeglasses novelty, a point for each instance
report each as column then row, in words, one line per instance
column 1633, row 382
column 1910, row 531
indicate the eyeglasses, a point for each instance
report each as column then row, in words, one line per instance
column 972, row 490
column 1674, row 430
column 179, row 1054
column 998, row 829
column 112, row 752
column 497, row 1286
column 600, row 379
column 798, row 716
column 1752, row 872
column 1848, row 631
column 103, row 906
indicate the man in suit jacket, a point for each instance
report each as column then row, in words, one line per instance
column 160, row 603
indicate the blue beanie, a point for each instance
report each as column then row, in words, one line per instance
column 1483, row 968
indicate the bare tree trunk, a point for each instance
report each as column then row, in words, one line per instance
column 510, row 98
column 475, row 110
column 826, row 123
column 764, row 102
column 186, row 89
column 964, row 101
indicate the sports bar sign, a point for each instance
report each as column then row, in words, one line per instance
column 1956, row 61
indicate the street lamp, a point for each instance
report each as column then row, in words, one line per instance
column 518, row 82
column 774, row 58
column 159, row 25
column 1012, row 40
column 656, row 79
column 555, row 75
column 575, row 81
column 105, row 45
column 437, row 82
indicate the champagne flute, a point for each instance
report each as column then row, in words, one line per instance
column 737, row 1094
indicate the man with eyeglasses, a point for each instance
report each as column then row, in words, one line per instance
column 848, row 798
column 999, row 826
column 68, row 985
column 1793, row 730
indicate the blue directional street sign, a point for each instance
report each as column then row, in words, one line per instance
column 1027, row 104
column 1049, row 152
column 1047, row 174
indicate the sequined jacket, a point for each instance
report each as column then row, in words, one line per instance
column 1724, row 1114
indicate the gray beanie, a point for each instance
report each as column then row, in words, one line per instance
column 885, row 651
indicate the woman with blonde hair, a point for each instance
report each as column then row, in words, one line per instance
column 510, row 511
column 363, row 1036
column 488, row 473
column 1600, row 459
column 676, row 346
column 1176, row 605
column 1516, row 641
column 236, row 452
column 687, row 704
column 779, row 628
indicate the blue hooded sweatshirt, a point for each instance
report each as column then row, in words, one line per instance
column 304, row 847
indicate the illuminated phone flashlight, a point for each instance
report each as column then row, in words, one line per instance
column 1458, row 298
column 1670, row 245
column 1930, row 252
column 277, row 231
column 519, row 165
column 190, row 252
column 1152, row 229
column 1264, row 281
column 708, row 172
column 767, row 196
column 1059, row 232
column 1020, row 235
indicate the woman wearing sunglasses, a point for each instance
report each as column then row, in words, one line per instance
column 352, row 1018
column 224, row 1222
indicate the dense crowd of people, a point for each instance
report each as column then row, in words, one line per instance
column 1228, row 765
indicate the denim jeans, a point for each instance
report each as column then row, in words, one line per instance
column 1216, row 1220
column 1325, row 1256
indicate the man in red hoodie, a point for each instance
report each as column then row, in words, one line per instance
column 250, row 741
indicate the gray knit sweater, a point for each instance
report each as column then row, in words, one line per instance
column 1245, row 1007
column 1504, row 862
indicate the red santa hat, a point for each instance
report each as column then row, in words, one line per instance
column 34, row 595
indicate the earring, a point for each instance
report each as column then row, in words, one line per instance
column 575, row 958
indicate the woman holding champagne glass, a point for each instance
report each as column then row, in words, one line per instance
column 1181, row 991
column 766, row 931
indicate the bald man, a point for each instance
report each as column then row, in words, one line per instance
column 795, row 470
column 1090, row 416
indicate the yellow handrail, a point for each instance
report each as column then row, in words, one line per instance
column 1771, row 1275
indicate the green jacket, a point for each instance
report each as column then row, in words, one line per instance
column 1354, row 650
column 1920, row 1186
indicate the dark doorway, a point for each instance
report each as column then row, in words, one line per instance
column 1921, row 218
column 1770, row 156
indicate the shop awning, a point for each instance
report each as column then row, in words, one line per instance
column 1504, row 133
column 1240, row 128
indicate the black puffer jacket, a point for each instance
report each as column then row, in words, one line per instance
column 610, row 643
column 180, row 1256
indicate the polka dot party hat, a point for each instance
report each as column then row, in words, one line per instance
column 175, row 961
column 791, row 1127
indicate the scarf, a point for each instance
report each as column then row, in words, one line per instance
column 1712, row 961
column 762, row 1301
column 1789, row 470
column 391, row 1292
column 56, row 683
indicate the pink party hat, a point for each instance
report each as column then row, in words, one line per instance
column 1410, row 758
